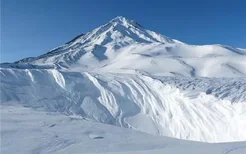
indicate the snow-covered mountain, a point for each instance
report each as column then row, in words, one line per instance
column 123, row 45
column 127, row 76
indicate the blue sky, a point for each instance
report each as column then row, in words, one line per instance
column 32, row 27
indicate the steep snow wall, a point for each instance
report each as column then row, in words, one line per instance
column 149, row 104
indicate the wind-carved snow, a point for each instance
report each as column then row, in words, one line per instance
column 30, row 75
column 107, row 99
column 139, row 102
column 124, row 75
column 58, row 77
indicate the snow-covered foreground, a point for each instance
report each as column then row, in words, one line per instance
column 28, row 131
column 136, row 101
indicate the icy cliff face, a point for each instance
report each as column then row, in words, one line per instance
column 124, row 75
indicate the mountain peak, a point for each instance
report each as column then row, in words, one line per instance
column 124, row 21
column 119, row 18
column 117, row 33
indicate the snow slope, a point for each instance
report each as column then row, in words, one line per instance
column 124, row 75
column 26, row 131
column 137, row 101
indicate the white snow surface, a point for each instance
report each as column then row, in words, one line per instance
column 71, row 99
column 28, row 131
column 136, row 101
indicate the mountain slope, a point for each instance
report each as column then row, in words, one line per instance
column 123, row 45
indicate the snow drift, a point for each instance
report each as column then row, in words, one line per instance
column 137, row 101
column 28, row 131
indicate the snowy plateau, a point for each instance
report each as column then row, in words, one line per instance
column 123, row 89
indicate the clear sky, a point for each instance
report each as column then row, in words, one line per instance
column 32, row 27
